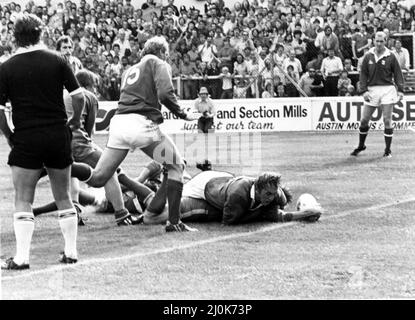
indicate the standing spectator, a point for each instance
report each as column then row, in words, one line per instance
column 240, row 67
column 204, row 105
column 214, row 81
column 343, row 83
column 41, row 137
column 207, row 50
column 329, row 41
column 227, row 87
column 123, row 41
column 402, row 54
column 330, row 69
column 187, row 71
column 360, row 41
column 227, row 55
column 381, row 82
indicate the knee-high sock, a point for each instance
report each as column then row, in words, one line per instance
column 24, row 224
column 174, row 196
column 138, row 188
column 159, row 201
column 81, row 171
column 50, row 207
column 363, row 131
column 388, row 133
column 68, row 222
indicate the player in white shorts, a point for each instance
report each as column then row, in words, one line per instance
column 144, row 88
column 381, row 82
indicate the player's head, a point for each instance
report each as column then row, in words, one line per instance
column 267, row 187
column 65, row 45
column 27, row 29
column 157, row 46
column 380, row 39
column 86, row 78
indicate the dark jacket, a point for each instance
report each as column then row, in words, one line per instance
column 233, row 197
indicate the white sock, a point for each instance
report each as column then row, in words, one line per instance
column 24, row 224
column 68, row 222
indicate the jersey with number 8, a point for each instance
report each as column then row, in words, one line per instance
column 147, row 85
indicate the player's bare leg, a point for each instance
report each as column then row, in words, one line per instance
column 388, row 131
column 68, row 221
column 165, row 151
column 363, row 129
column 24, row 182
column 104, row 175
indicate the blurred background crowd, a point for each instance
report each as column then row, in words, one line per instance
column 249, row 49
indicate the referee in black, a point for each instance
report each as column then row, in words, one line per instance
column 33, row 80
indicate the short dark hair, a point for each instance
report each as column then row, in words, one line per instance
column 267, row 179
column 63, row 39
column 27, row 29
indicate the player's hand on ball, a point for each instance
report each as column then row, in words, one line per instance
column 191, row 116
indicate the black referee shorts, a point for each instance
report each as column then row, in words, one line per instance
column 36, row 148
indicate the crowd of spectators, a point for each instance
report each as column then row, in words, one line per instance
column 254, row 48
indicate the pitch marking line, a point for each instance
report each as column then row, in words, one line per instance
column 199, row 243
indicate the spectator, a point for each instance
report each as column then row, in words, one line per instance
column 402, row 54
column 240, row 67
column 281, row 91
column 360, row 42
column 328, row 40
column 290, row 88
column 187, row 71
column 348, row 66
column 330, row 69
column 307, row 83
column 204, row 105
column 269, row 90
column 227, row 55
column 343, row 83
column 293, row 61
column 350, row 91
column 407, row 22
column 214, row 82
column 227, row 87
column 207, row 50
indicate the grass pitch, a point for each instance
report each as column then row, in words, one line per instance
column 362, row 248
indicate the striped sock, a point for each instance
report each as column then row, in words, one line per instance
column 388, row 133
column 24, row 224
column 68, row 222
column 363, row 131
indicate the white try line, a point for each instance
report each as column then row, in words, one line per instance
column 198, row 243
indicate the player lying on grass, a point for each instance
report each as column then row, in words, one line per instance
column 145, row 185
column 220, row 196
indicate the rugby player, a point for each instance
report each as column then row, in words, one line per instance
column 381, row 83
column 145, row 86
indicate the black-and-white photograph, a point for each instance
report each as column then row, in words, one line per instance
column 207, row 150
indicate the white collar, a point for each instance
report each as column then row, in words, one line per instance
column 35, row 47
column 385, row 54
column 252, row 194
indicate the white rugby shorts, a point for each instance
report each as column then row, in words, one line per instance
column 380, row 95
column 195, row 188
column 131, row 131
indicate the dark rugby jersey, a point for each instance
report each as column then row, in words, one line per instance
column 383, row 72
column 147, row 85
column 33, row 80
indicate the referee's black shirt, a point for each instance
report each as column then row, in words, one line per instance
column 33, row 80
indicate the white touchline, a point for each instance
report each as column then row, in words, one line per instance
column 199, row 243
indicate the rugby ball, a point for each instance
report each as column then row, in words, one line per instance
column 307, row 201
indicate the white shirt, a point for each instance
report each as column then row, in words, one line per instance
column 403, row 57
column 331, row 66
